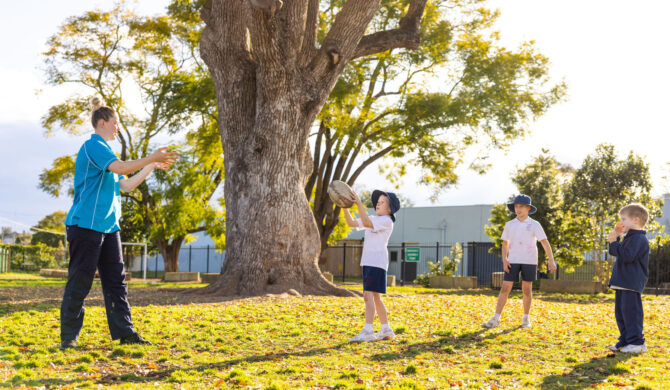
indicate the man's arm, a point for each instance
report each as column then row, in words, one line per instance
column 551, row 264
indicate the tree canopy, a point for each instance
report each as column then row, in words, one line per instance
column 149, row 71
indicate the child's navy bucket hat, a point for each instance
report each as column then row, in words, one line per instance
column 522, row 199
column 394, row 202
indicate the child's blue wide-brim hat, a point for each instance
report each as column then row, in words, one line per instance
column 394, row 202
column 522, row 199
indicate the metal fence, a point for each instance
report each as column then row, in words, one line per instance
column 31, row 257
column 344, row 261
column 659, row 268
column 191, row 259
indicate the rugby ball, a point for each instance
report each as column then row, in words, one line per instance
column 340, row 194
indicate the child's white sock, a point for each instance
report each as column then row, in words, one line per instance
column 496, row 316
column 526, row 317
column 386, row 327
column 368, row 328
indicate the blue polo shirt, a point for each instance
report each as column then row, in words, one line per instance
column 97, row 195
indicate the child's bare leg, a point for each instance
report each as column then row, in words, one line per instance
column 502, row 297
column 527, row 288
column 381, row 308
column 368, row 297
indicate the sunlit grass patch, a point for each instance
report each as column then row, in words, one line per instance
column 302, row 343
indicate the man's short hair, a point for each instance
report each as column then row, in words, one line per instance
column 636, row 210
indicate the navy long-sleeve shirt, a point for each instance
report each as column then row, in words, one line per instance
column 631, row 268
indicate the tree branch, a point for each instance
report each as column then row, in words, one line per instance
column 405, row 36
column 369, row 161
column 343, row 38
column 311, row 29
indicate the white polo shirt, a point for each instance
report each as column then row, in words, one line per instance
column 523, row 237
column 375, row 250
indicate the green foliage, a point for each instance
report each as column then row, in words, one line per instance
column 116, row 53
column 60, row 174
column 33, row 257
column 445, row 267
column 544, row 179
column 54, row 222
column 388, row 108
column 602, row 185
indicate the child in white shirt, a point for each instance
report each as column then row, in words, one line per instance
column 374, row 259
column 519, row 256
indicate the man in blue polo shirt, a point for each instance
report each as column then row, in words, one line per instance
column 92, row 227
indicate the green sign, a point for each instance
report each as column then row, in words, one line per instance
column 412, row 254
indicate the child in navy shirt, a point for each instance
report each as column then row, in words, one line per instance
column 629, row 276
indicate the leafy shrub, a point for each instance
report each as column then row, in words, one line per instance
column 445, row 267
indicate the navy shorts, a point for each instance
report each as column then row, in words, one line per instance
column 374, row 279
column 528, row 273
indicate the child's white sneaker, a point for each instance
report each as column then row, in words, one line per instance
column 630, row 348
column 492, row 323
column 525, row 322
column 365, row 335
column 385, row 334
column 613, row 348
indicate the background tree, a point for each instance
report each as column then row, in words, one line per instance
column 425, row 107
column 54, row 222
column 5, row 231
column 274, row 64
column 602, row 185
column 545, row 180
column 149, row 71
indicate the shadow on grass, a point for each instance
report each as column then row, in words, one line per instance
column 448, row 343
column 159, row 375
column 584, row 299
column 469, row 292
column 588, row 374
column 43, row 299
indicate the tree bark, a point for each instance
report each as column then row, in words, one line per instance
column 170, row 253
column 268, row 98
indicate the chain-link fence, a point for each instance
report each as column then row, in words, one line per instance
column 205, row 259
column 31, row 257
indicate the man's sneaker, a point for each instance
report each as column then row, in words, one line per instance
column 492, row 323
column 385, row 334
column 525, row 322
column 364, row 336
column 65, row 344
column 613, row 348
column 630, row 348
column 134, row 339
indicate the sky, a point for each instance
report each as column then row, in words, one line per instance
column 611, row 54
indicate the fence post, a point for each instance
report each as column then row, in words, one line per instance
column 473, row 264
column 402, row 265
column 156, row 269
column 657, row 259
column 189, row 258
column 344, row 262
column 437, row 251
column 207, row 258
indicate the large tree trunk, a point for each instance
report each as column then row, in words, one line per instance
column 170, row 252
column 268, row 98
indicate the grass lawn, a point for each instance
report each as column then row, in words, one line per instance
column 301, row 342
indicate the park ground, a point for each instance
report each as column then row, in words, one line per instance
column 289, row 342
